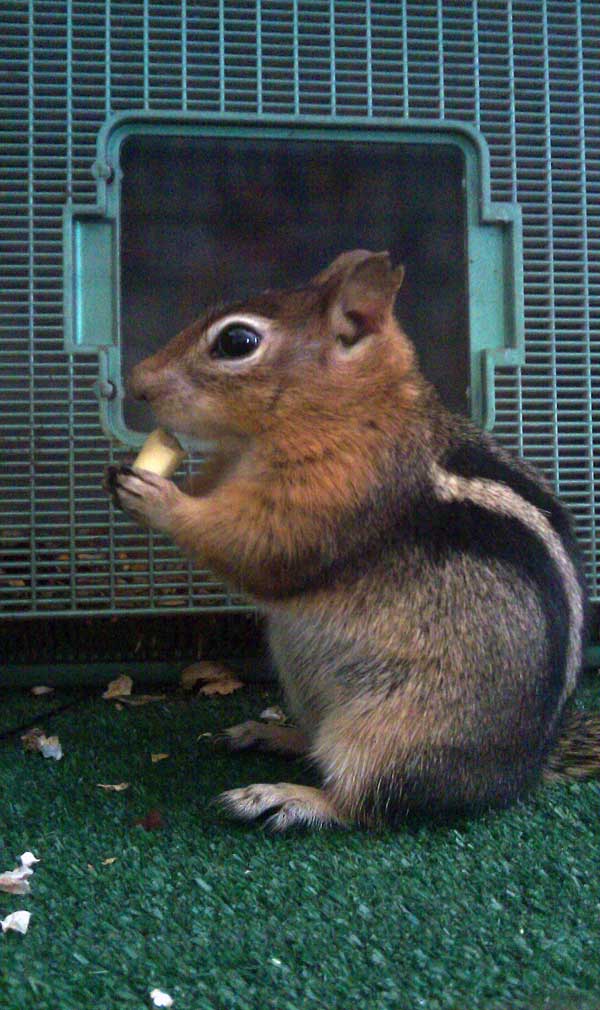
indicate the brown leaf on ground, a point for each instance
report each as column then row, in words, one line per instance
column 224, row 686
column 151, row 822
column 191, row 676
column 31, row 739
column 135, row 700
column 118, row 687
column 158, row 757
column 215, row 678
column 42, row 689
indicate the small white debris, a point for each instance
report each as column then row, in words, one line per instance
column 19, row 921
column 35, row 739
column 28, row 859
column 16, row 881
column 51, row 748
column 42, row 689
column 122, row 685
column 118, row 787
column 273, row 714
column 160, row 998
column 276, row 961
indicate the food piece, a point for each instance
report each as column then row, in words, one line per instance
column 161, row 454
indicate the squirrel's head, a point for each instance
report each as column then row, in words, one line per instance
column 285, row 358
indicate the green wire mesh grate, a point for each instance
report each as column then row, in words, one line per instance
column 526, row 74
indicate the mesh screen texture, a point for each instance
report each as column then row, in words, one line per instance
column 526, row 74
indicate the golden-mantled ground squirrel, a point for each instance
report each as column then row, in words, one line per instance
column 423, row 588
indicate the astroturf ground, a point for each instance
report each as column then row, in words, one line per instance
column 503, row 912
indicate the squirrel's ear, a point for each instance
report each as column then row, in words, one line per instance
column 365, row 297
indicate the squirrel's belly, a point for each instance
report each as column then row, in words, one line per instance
column 306, row 666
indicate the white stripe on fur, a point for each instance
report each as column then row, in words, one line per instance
column 503, row 500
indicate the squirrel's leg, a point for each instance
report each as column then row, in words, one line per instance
column 265, row 736
column 288, row 804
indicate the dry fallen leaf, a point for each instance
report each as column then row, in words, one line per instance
column 215, row 677
column 31, row 739
column 117, row 688
column 161, row 998
column 42, row 689
column 158, row 757
column 141, row 699
column 19, row 921
column 226, row 685
column 107, row 862
column 151, row 822
column 35, row 739
column 191, row 675
column 118, row 787
column 16, row 881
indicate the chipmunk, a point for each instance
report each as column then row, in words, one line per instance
column 423, row 588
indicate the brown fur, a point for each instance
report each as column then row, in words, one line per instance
column 416, row 679
column 296, row 460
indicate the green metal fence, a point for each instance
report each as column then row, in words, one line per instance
column 523, row 73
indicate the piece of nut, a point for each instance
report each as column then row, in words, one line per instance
column 161, row 454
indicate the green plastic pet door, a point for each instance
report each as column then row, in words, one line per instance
column 194, row 211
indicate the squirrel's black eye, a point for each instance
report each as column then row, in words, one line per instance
column 235, row 341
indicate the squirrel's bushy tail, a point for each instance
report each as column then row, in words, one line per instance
column 576, row 754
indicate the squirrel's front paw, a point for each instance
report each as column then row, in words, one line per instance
column 146, row 497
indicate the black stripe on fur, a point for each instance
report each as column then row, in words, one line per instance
column 480, row 457
column 483, row 774
column 477, row 459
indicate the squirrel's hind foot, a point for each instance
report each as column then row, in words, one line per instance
column 288, row 806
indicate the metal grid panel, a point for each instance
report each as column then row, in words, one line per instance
column 525, row 73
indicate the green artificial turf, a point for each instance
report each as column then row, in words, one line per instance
column 495, row 913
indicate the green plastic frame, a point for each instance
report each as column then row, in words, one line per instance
column 92, row 245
